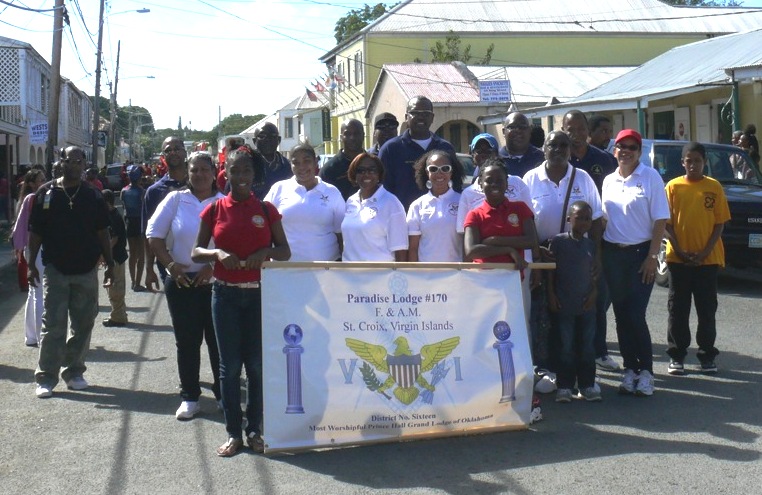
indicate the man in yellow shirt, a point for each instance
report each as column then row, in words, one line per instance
column 698, row 212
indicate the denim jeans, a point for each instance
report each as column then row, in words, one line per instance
column 701, row 283
column 191, row 311
column 576, row 361
column 602, row 304
column 629, row 296
column 66, row 297
column 237, row 315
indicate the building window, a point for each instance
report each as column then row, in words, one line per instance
column 358, row 68
column 289, row 131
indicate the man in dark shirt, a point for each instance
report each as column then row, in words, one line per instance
column 399, row 154
column 173, row 156
column 598, row 164
column 278, row 167
column 600, row 132
column 384, row 128
column 334, row 172
column 518, row 154
column 116, row 291
column 70, row 222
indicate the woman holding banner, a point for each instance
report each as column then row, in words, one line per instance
column 374, row 227
column 432, row 218
column 312, row 209
column 247, row 232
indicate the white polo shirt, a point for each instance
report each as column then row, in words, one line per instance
column 311, row 219
column 547, row 198
column 632, row 205
column 433, row 218
column 176, row 220
column 473, row 196
column 374, row 228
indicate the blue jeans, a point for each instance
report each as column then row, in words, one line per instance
column 602, row 304
column 237, row 316
column 576, row 350
column 629, row 296
column 66, row 297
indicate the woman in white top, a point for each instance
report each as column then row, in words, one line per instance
column 432, row 218
column 636, row 210
column 374, row 227
column 171, row 233
column 312, row 209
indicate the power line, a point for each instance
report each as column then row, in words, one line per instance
column 28, row 9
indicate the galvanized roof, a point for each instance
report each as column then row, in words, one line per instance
column 573, row 16
column 446, row 83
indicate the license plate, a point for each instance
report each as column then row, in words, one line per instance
column 755, row 241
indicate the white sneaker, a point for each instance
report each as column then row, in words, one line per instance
column 547, row 383
column 187, row 409
column 43, row 391
column 645, row 384
column 607, row 363
column 77, row 383
column 628, row 382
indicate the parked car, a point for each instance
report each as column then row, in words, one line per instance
column 742, row 236
column 114, row 177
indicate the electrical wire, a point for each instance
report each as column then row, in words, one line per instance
column 28, row 9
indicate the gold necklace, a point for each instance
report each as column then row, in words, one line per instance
column 71, row 198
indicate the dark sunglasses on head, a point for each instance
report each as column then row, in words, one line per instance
column 444, row 169
column 630, row 147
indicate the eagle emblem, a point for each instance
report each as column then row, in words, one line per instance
column 405, row 369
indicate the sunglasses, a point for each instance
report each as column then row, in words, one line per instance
column 515, row 127
column 366, row 170
column 631, row 147
column 444, row 169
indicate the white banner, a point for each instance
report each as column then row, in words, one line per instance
column 355, row 355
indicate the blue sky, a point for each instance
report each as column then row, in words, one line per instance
column 241, row 56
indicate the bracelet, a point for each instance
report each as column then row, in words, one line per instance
column 170, row 265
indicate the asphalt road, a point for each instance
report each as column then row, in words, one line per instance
column 696, row 435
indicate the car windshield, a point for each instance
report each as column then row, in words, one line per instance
column 724, row 163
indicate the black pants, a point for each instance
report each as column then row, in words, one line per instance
column 191, row 311
column 699, row 282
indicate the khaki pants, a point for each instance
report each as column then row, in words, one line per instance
column 116, row 294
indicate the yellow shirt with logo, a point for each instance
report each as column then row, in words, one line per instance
column 695, row 208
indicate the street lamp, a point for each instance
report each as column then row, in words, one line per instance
column 96, row 102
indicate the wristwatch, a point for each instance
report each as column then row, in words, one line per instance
column 653, row 256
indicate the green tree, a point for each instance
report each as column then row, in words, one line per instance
column 704, row 3
column 450, row 51
column 356, row 19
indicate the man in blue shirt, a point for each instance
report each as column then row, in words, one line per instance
column 267, row 140
column 399, row 154
column 518, row 154
column 173, row 155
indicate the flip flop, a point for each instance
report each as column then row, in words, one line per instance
column 230, row 448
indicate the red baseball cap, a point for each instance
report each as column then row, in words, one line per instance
column 629, row 133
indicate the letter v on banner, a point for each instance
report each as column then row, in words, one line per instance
column 348, row 372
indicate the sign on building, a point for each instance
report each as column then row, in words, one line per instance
column 495, row 91
column 38, row 133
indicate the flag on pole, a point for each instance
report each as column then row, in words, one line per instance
column 330, row 83
column 339, row 78
column 311, row 95
column 318, row 87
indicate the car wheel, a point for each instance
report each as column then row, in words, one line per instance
column 662, row 270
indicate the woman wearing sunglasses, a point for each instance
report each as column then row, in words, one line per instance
column 432, row 218
column 374, row 226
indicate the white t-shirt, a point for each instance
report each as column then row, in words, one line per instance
column 548, row 198
column 176, row 220
column 473, row 196
column 632, row 205
column 311, row 219
column 374, row 228
column 434, row 218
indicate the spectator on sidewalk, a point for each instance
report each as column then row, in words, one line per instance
column 132, row 200
column 115, row 291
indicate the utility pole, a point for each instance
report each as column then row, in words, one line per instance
column 112, row 106
column 96, row 113
column 55, row 86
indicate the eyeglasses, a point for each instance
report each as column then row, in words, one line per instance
column 420, row 113
column 262, row 136
column 386, row 126
column 366, row 170
column 483, row 151
column 517, row 127
column 631, row 147
column 172, row 149
column 432, row 169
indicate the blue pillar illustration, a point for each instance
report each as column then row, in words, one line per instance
column 293, row 334
column 504, row 347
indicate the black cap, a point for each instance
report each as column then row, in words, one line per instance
column 385, row 116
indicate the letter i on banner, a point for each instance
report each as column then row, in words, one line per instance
column 504, row 347
column 293, row 334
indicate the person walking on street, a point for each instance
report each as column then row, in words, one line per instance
column 118, row 235
column 132, row 200
column 70, row 222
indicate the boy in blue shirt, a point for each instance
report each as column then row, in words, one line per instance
column 572, row 291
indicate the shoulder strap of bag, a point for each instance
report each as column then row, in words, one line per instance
column 566, row 201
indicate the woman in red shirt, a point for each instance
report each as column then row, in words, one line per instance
column 246, row 232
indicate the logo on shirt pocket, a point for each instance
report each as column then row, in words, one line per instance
column 258, row 221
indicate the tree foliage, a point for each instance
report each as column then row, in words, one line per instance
column 356, row 19
column 450, row 51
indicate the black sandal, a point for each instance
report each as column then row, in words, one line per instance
column 255, row 442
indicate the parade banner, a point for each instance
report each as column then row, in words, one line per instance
column 355, row 355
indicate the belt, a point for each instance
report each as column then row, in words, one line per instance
column 627, row 246
column 240, row 285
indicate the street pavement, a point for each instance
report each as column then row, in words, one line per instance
column 696, row 435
